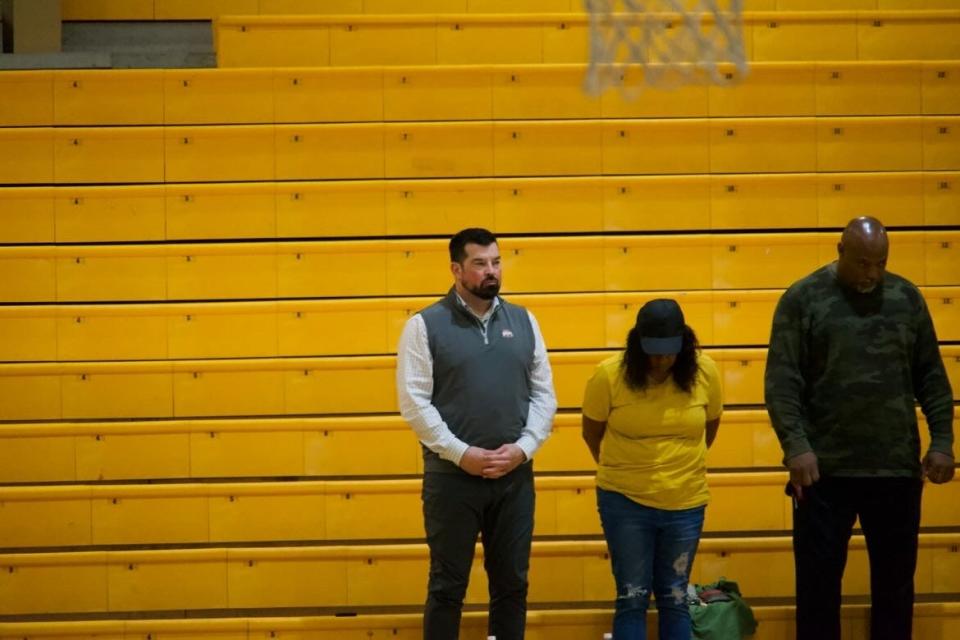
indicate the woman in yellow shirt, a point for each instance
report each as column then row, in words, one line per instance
column 649, row 414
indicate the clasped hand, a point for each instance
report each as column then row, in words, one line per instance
column 494, row 463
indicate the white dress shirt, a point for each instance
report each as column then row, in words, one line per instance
column 415, row 390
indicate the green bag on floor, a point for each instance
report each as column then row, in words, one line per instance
column 719, row 613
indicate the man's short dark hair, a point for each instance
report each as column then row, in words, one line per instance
column 474, row 235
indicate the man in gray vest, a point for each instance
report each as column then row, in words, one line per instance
column 475, row 385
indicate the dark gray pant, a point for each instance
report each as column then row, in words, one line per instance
column 458, row 507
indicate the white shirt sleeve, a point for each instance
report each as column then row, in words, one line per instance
column 543, row 399
column 415, row 392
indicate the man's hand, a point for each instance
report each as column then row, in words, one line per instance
column 804, row 471
column 938, row 467
column 502, row 461
column 475, row 460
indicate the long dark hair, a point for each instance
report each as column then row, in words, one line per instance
column 636, row 363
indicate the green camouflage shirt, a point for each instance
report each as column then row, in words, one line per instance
column 844, row 370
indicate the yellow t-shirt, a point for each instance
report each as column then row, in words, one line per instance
column 654, row 449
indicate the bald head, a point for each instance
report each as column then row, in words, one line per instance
column 862, row 254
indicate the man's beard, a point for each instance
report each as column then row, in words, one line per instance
column 486, row 291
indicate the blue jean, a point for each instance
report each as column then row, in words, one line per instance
column 652, row 551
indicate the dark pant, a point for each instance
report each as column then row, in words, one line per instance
column 458, row 507
column 889, row 511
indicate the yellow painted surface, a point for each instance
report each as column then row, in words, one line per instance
column 437, row 150
column 942, row 258
column 210, row 154
column 927, row 38
column 318, row 391
column 743, row 321
column 491, row 43
column 739, row 265
column 268, row 517
column 43, row 523
column 424, row 209
column 141, row 586
column 112, row 337
column 656, row 204
column 638, row 100
column 30, row 398
column 866, row 145
column 33, row 105
column 333, row 331
column 40, row 459
column 222, row 335
column 531, row 93
column 531, row 207
column 382, row 44
column 246, row 454
column 562, row 148
column 941, row 200
column 941, row 143
column 627, row 265
column 194, row 276
column 742, row 381
column 324, row 152
column 374, row 515
column 897, row 199
column 217, row 97
column 331, row 209
column 109, row 395
column 263, row 46
column 775, row 145
column 335, row 452
column 436, row 94
column 766, row 91
column 53, row 588
column 105, row 214
column 271, row 582
column 228, row 393
column 146, row 519
column 329, row 95
column 527, row 265
column 780, row 40
column 27, row 215
column 26, row 156
column 108, row 97
column 27, row 278
column 354, row 270
column 119, row 457
column 945, row 310
column 28, row 338
column 110, row 277
column 108, row 9
column 96, row 155
column 565, row 43
column 941, row 88
column 851, row 90
column 202, row 9
column 655, row 147
column 739, row 202
column 209, row 211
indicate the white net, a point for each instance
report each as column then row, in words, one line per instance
column 664, row 43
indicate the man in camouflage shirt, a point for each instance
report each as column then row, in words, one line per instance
column 852, row 349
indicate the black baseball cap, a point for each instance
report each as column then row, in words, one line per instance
column 660, row 323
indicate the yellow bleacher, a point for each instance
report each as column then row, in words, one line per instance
column 210, row 9
column 354, row 510
column 371, row 326
column 204, row 274
column 444, row 39
column 291, row 386
column 478, row 92
column 201, row 449
column 477, row 149
column 278, row 210
column 264, row 270
column 364, row 575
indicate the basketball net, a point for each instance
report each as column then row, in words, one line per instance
column 664, row 43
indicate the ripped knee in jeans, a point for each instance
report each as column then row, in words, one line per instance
column 633, row 597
